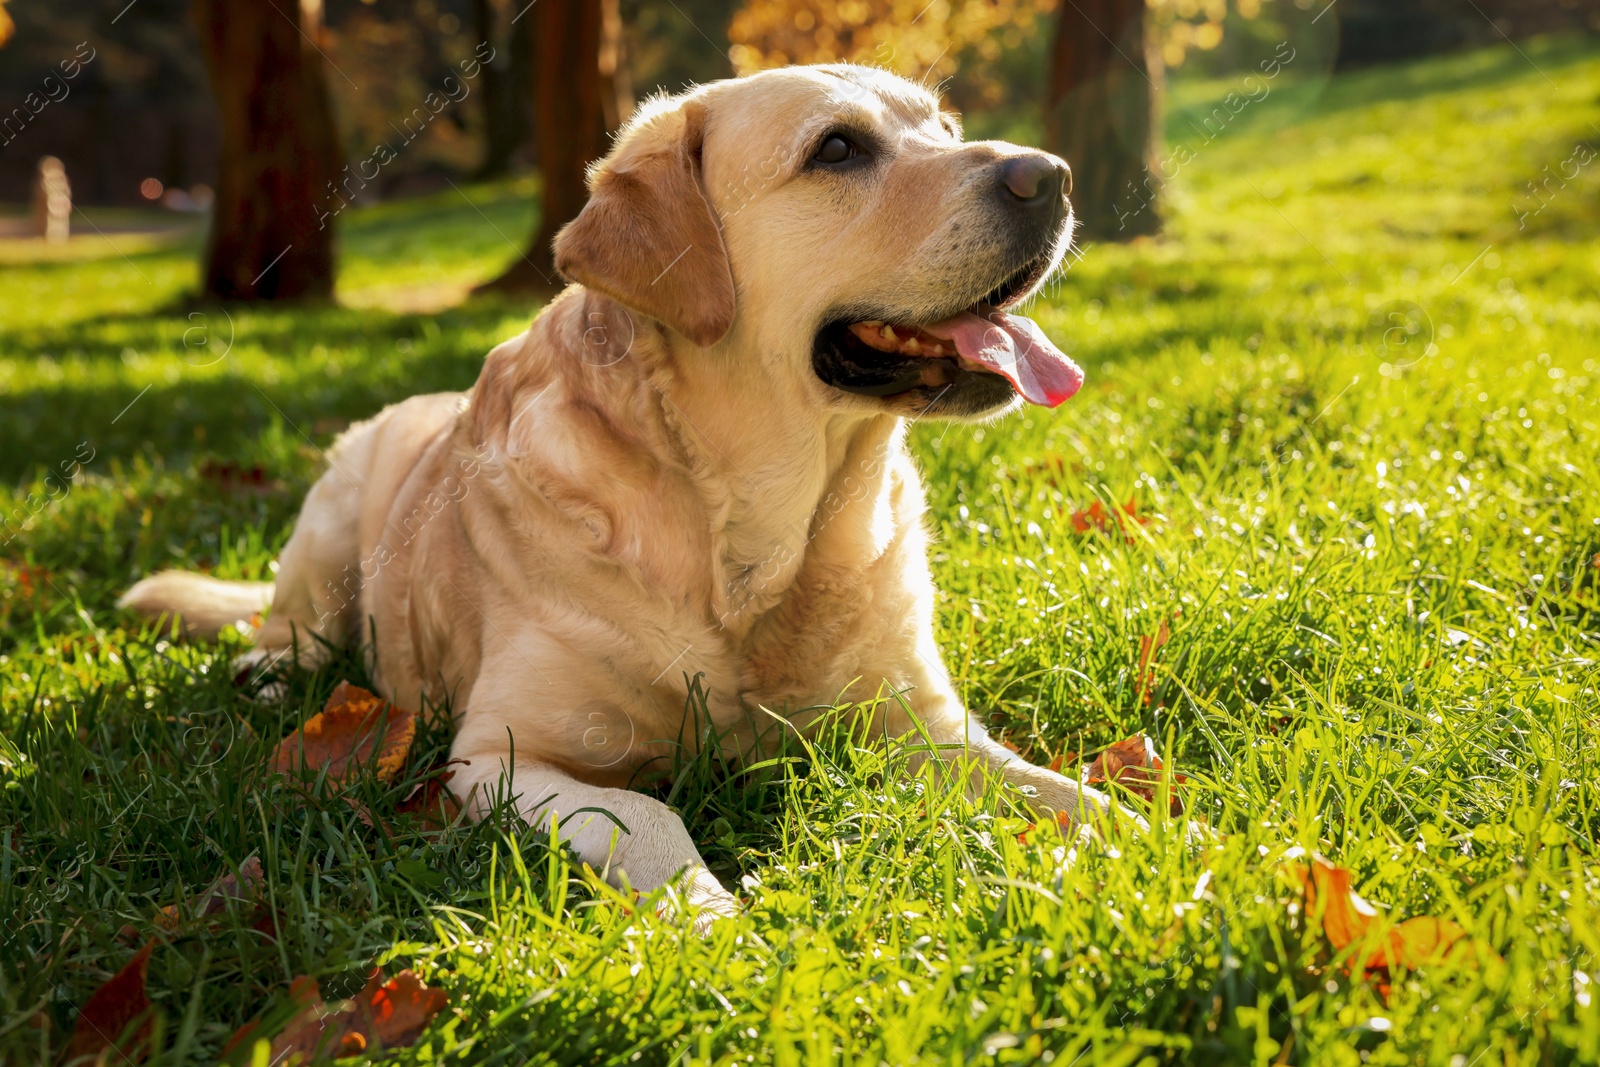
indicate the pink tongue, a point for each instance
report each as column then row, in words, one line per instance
column 1015, row 348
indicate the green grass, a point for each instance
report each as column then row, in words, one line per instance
column 1356, row 402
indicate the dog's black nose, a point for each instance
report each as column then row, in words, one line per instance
column 1036, row 179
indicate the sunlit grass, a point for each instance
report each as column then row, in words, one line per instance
column 1355, row 402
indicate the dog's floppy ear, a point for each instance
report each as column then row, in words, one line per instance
column 648, row 237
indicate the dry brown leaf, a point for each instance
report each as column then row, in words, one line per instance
column 433, row 802
column 397, row 1011
column 1345, row 920
column 1133, row 764
column 1100, row 519
column 1054, row 467
column 28, row 577
column 317, row 1031
column 345, row 734
column 102, row 1027
column 389, row 1014
column 241, row 886
column 1148, row 647
column 235, row 478
column 303, row 994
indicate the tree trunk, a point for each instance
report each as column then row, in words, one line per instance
column 506, row 91
column 272, row 225
column 616, row 87
column 569, row 129
column 1100, row 115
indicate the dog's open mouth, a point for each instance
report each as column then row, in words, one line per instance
column 879, row 358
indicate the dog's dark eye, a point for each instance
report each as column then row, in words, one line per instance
column 836, row 149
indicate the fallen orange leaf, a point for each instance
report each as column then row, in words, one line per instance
column 1148, row 646
column 235, row 478
column 389, row 1014
column 317, row 1032
column 1133, row 764
column 231, row 886
column 1416, row 941
column 345, row 734
column 1347, row 920
column 400, row 1009
column 1098, row 518
column 433, row 802
column 1093, row 517
column 28, row 576
column 102, row 1026
column 1054, row 466
column 303, row 994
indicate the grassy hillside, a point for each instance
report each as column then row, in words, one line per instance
column 1352, row 390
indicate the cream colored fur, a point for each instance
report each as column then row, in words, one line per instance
column 615, row 508
column 204, row 606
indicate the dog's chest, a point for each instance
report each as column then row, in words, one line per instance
column 825, row 631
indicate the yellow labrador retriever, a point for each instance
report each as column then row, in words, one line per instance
column 693, row 463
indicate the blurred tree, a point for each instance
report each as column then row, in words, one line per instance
column 1176, row 27
column 506, row 88
column 616, row 87
column 127, row 93
column 922, row 40
column 416, row 120
column 570, row 90
column 674, row 44
column 272, row 230
column 1102, row 90
column 1101, row 96
column 1098, row 97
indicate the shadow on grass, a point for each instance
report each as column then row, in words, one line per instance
column 1476, row 70
column 223, row 403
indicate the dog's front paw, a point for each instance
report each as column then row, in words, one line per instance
column 703, row 897
column 253, row 671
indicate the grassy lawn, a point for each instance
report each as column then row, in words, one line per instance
column 1352, row 394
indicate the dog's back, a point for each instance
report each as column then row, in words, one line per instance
column 319, row 586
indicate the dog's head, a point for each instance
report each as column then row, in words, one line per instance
column 831, row 222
